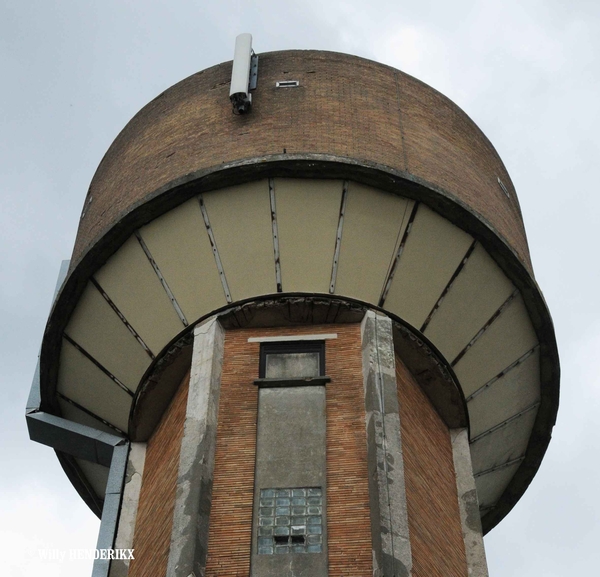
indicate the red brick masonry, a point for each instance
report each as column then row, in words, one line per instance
column 348, row 520
column 433, row 516
column 434, row 519
column 344, row 106
column 154, row 521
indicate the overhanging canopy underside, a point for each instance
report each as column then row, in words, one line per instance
column 329, row 237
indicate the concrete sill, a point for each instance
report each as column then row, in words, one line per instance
column 293, row 382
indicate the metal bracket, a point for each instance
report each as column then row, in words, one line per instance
column 253, row 72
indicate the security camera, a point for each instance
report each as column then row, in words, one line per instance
column 241, row 102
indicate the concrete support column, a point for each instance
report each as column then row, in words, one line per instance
column 129, row 507
column 468, row 504
column 189, row 537
column 389, row 517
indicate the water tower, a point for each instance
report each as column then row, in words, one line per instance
column 299, row 333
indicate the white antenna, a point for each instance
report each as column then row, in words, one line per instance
column 243, row 74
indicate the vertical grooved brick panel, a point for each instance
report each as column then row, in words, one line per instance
column 433, row 515
column 157, row 496
column 230, row 525
column 348, row 512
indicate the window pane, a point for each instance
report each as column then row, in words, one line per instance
column 289, row 365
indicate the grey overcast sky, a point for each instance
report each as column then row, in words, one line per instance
column 73, row 72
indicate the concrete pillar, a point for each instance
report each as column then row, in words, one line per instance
column 129, row 507
column 189, row 537
column 468, row 504
column 389, row 516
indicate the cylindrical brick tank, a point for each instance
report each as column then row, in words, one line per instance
column 326, row 301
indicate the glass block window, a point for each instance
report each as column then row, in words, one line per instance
column 284, row 360
column 290, row 521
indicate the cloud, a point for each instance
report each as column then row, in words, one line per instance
column 526, row 72
column 39, row 527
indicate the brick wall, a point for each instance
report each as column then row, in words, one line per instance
column 154, row 521
column 348, row 511
column 433, row 515
column 345, row 106
column 349, row 533
column 434, row 521
column 230, row 529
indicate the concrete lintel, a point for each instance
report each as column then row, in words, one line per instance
column 293, row 338
column 468, row 504
column 389, row 515
column 129, row 507
column 189, row 537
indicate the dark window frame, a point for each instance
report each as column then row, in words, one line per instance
column 291, row 347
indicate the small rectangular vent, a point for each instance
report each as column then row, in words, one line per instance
column 287, row 83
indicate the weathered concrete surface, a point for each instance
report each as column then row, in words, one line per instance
column 290, row 453
column 468, row 504
column 290, row 449
column 389, row 516
column 189, row 537
column 129, row 507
